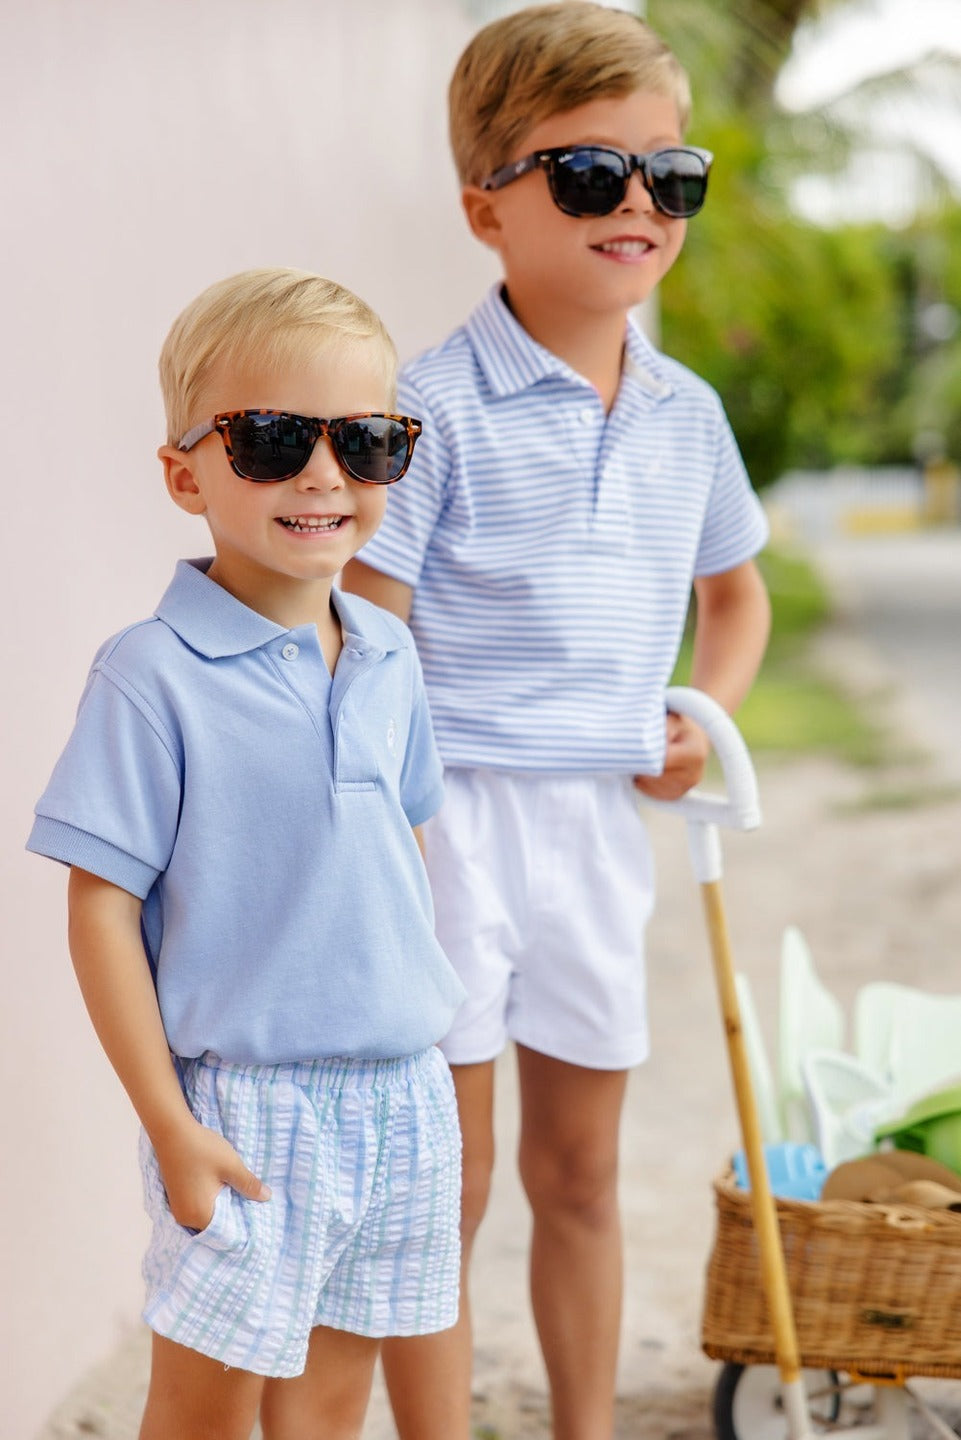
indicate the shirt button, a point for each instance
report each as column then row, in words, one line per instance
column 586, row 416
column 290, row 652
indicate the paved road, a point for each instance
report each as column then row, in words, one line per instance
column 900, row 595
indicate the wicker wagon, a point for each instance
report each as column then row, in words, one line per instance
column 875, row 1291
column 861, row 1297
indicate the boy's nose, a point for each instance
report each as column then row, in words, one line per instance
column 322, row 471
column 637, row 196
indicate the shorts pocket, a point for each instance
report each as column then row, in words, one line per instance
column 227, row 1230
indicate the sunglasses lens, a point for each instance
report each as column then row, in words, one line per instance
column 270, row 447
column 374, row 448
column 588, row 182
column 678, row 182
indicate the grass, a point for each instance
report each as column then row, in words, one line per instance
column 796, row 708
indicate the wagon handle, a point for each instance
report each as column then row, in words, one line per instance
column 739, row 809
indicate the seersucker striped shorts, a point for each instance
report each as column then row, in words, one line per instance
column 361, row 1232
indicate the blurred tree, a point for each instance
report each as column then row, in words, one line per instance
column 826, row 344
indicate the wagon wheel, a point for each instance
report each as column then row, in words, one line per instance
column 748, row 1404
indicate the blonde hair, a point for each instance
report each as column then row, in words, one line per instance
column 540, row 61
column 274, row 317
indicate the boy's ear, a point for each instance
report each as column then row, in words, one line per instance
column 480, row 207
column 179, row 478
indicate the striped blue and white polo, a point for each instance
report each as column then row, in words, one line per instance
column 552, row 546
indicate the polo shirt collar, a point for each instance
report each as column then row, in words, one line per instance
column 366, row 625
column 208, row 618
column 644, row 365
column 216, row 624
column 512, row 361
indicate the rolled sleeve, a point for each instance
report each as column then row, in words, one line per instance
column 75, row 847
column 112, row 805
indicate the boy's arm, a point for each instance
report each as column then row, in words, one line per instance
column 381, row 589
column 731, row 630
column 730, row 636
column 118, row 990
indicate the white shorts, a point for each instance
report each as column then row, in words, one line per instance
column 543, row 885
column 361, row 1232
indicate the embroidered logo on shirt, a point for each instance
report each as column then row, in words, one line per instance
column 391, row 735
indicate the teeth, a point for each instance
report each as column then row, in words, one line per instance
column 303, row 524
column 625, row 247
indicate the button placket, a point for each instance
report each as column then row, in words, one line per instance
column 352, row 768
column 302, row 672
column 612, row 516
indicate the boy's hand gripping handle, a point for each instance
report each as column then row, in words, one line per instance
column 737, row 809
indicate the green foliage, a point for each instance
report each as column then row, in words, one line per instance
column 799, row 600
column 800, row 713
column 930, row 401
column 813, row 337
column 802, row 330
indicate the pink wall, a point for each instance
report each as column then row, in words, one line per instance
column 150, row 148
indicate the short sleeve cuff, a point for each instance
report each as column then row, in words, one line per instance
column 59, row 841
column 427, row 806
column 719, row 558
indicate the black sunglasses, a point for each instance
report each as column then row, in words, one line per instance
column 593, row 179
column 268, row 445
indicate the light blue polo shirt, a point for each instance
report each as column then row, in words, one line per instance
column 552, row 547
column 262, row 811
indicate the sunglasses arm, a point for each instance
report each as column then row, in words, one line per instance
column 514, row 171
column 195, row 435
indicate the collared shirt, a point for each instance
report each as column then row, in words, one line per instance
column 552, row 547
column 262, row 811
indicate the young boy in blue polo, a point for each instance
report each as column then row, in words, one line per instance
column 250, row 920
column 571, row 486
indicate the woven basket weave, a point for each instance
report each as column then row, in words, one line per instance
column 875, row 1288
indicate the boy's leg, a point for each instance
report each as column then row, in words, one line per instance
column 192, row 1395
column 329, row 1400
column 570, row 1120
column 429, row 1376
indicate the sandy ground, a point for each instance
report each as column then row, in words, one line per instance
column 873, row 886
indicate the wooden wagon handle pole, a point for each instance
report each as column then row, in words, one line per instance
column 739, row 809
column 763, row 1209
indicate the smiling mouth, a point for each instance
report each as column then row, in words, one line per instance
column 311, row 524
column 624, row 247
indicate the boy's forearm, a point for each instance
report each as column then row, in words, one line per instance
column 117, row 988
column 374, row 585
column 731, row 633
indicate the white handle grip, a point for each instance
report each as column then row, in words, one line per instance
column 738, row 808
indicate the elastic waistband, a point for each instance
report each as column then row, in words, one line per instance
column 337, row 1072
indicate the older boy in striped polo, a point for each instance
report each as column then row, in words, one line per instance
column 571, row 485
